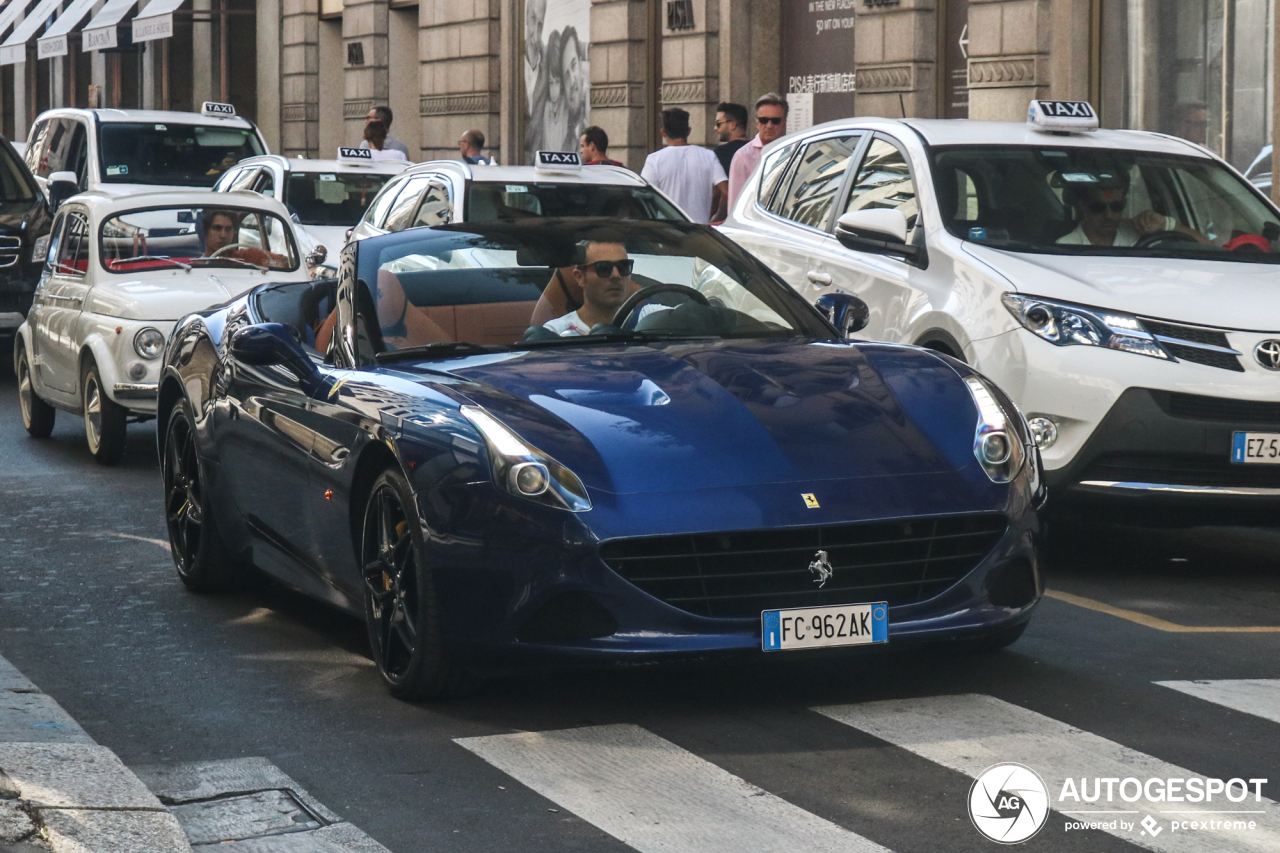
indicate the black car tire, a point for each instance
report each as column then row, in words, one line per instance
column 200, row 555
column 104, row 419
column 37, row 415
column 401, row 610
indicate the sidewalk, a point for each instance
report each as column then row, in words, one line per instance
column 61, row 792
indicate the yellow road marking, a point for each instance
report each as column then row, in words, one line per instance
column 1152, row 621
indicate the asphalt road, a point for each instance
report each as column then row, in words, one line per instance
column 92, row 611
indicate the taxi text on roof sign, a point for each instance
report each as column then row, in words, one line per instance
column 558, row 160
column 213, row 108
column 361, row 154
column 1062, row 116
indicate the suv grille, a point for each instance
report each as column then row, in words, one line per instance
column 10, row 250
column 738, row 574
column 1181, row 470
column 1188, row 343
column 1197, row 407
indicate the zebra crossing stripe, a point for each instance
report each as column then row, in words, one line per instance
column 1257, row 696
column 656, row 797
column 969, row 733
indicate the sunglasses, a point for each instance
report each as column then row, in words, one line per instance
column 1101, row 206
column 769, row 120
column 604, row 269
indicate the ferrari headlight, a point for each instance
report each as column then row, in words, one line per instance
column 148, row 343
column 1063, row 324
column 521, row 470
column 1001, row 438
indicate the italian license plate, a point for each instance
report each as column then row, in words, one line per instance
column 1256, row 448
column 818, row 627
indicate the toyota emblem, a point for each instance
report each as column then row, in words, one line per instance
column 1268, row 354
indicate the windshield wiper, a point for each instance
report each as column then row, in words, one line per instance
column 149, row 258
column 438, row 349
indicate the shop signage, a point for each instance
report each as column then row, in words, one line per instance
column 51, row 47
column 149, row 29
column 99, row 39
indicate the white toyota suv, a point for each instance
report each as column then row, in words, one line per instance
column 1121, row 286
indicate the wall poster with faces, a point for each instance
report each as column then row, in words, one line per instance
column 557, row 82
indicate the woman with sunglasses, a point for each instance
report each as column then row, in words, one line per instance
column 1100, row 211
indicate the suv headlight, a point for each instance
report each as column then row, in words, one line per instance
column 521, row 470
column 1001, row 438
column 1065, row 325
column 148, row 343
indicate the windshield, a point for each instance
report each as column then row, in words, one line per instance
column 328, row 198
column 178, row 237
column 171, row 154
column 493, row 200
column 566, row 282
column 1102, row 202
column 14, row 183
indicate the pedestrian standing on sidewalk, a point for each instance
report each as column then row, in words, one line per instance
column 771, row 124
column 731, row 127
column 383, row 114
column 471, row 147
column 375, row 138
column 689, row 175
column 594, row 147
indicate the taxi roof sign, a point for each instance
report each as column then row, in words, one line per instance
column 1062, row 116
column 558, row 161
column 213, row 108
column 356, row 155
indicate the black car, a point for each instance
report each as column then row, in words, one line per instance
column 24, row 218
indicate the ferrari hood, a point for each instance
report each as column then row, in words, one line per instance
column 1226, row 294
column 168, row 294
column 631, row 419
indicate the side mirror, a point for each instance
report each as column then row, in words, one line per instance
column 40, row 249
column 62, row 186
column 847, row 313
column 267, row 344
column 882, row 232
column 317, row 255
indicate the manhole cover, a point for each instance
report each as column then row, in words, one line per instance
column 241, row 816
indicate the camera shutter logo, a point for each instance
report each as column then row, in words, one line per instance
column 1267, row 354
column 1008, row 803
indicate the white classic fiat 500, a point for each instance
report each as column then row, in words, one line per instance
column 119, row 273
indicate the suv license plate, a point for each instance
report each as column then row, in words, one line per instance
column 818, row 627
column 1256, row 448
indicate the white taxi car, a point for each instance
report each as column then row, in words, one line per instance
column 1119, row 285
column 443, row 191
column 325, row 197
column 119, row 273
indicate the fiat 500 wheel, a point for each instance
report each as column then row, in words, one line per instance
column 37, row 415
column 104, row 419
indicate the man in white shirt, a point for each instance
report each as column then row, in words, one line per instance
column 689, row 175
column 1102, row 222
column 383, row 114
column 605, row 279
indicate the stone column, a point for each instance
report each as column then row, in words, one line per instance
column 1009, row 44
column 896, row 60
column 204, row 59
column 691, row 70
column 299, row 78
column 23, row 112
column 365, row 80
column 269, row 67
column 623, row 95
column 461, row 77
column 1070, row 56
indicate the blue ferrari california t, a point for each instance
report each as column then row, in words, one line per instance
column 602, row 440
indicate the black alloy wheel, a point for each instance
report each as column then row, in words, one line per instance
column 400, row 606
column 105, row 420
column 37, row 415
column 202, row 560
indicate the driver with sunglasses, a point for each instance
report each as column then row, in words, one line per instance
column 1100, row 211
column 605, row 279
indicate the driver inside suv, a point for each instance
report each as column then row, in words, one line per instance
column 1099, row 208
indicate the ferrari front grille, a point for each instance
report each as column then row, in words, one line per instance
column 738, row 574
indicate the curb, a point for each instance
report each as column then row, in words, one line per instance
column 62, row 792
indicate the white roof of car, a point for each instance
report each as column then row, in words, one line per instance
column 152, row 117
column 605, row 175
column 102, row 204
column 974, row 132
column 306, row 164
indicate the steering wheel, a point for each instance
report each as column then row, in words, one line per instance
column 1146, row 241
column 231, row 247
column 645, row 293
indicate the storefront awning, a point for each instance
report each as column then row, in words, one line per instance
column 156, row 20
column 100, row 32
column 54, row 41
column 11, row 13
column 14, row 49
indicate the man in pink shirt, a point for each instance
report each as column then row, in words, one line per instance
column 771, row 124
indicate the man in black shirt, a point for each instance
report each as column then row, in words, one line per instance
column 731, row 125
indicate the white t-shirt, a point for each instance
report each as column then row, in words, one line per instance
column 686, row 174
column 569, row 324
column 388, row 154
column 1126, row 235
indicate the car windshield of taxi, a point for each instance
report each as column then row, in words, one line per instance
column 332, row 198
column 186, row 237
column 548, row 283
column 170, row 154
column 1088, row 201
column 493, row 200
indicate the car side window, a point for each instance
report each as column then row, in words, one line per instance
column 884, row 182
column 402, row 211
column 436, row 207
column 73, row 248
column 244, row 180
column 228, row 178
column 266, row 183
column 378, row 210
column 817, row 178
column 770, row 175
